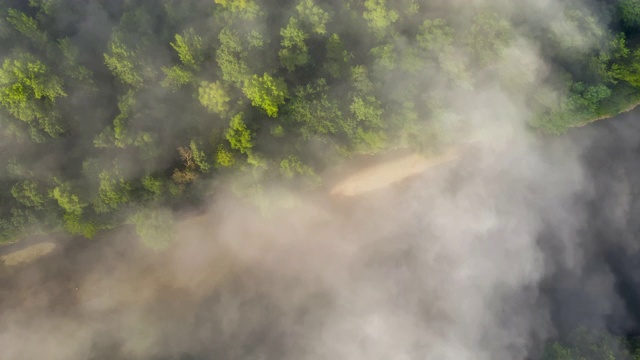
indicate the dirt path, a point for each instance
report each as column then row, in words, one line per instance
column 388, row 173
column 28, row 254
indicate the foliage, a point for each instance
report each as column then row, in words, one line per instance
column 27, row 26
column 224, row 157
column 313, row 15
column 153, row 186
column 380, row 18
column 124, row 63
column 155, row 227
column 171, row 96
column 266, row 92
column 200, row 158
column 75, row 225
column 114, row 191
column 177, row 76
column 295, row 51
column 244, row 8
column 190, row 49
column 292, row 166
column 435, row 35
column 27, row 193
column 630, row 10
column 239, row 136
column 337, row 55
column 488, row 37
column 67, row 200
column 214, row 97
column 585, row 343
column 232, row 57
column 312, row 108
column 29, row 90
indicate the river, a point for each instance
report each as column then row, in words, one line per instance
column 611, row 234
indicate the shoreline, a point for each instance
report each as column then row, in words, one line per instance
column 607, row 117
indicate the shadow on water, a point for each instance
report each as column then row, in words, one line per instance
column 604, row 289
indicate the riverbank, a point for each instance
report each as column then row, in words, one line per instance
column 609, row 116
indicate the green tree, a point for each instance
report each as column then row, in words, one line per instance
column 224, row 157
column 385, row 56
column 214, row 97
column 177, row 76
column 232, row 57
column 155, row 227
column 575, row 35
column 581, row 104
column 74, row 224
column 435, row 35
column 200, row 158
column 28, row 27
column 114, row 191
column 370, row 141
column 360, row 79
column 312, row 108
column 591, row 344
column 16, row 223
column 119, row 134
column 29, row 90
column 153, row 186
column 291, row 167
column 71, row 55
column 295, row 51
column 630, row 12
column 266, row 92
column 488, row 37
column 380, row 18
column 435, row 39
column 337, row 56
column 244, row 8
column 126, row 64
column 586, row 98
column 313, row 15
column 627, row 68
column 239, row 136
column 556, row 351
column 367, row 109
column 27, row 193
column 190, row 50
column 67, row 200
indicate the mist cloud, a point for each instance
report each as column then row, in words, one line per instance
column 454, row 263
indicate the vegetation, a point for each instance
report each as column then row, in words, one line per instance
column 99, row 125
column 585, row 343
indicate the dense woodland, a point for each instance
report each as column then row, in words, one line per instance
column 116, row 111
column 589, row 344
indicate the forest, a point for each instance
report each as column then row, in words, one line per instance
column 115, row 119
column 120, row 112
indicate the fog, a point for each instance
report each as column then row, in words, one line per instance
column 523, row 236
column 482, row 258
